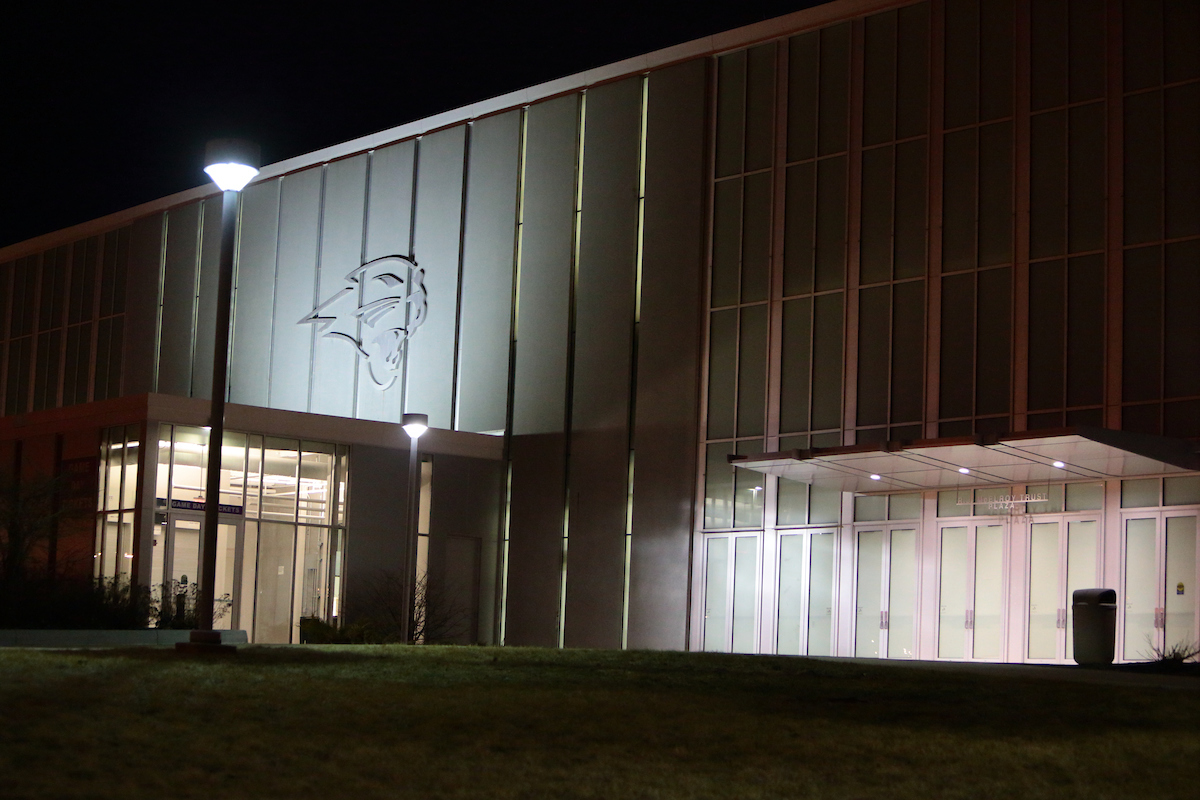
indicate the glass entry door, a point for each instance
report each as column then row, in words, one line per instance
column 806, row 597
column 176, row 566
column 1160, row 609
column 886, row 593
column 971, row 592
column 730, row 593
column 1064, row 555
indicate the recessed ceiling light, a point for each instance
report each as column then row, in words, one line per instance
column 874, row 477
column 1059, row 464
column 964, row 470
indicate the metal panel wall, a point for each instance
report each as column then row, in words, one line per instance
column 254, row 295
column 389, row 228
column 178, row 320
column 667, row 415
column 538, row 444
column 429, row 373
column 291, row 345
column 335, row 359
column 141, row 303
column 604, row 316
column 489, row 254
column 206, row 299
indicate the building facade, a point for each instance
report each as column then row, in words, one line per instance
column 869, row 330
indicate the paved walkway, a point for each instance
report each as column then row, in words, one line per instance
column 1049, row 672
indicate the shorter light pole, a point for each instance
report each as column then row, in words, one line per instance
column 414, row 425
column 231, row 163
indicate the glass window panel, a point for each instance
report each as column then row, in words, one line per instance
column 1141, row 493
column 1181, row 31
column 988, row 613
column 1142, row 419
column 162, row 474
column 1143, row 37
column 831, row 224
column 1085, row 330
column 756, row 235
column 1054, row 499
column 716, row 580
column 995, row 194
column 316, row 476
column 820, row 597
column 961, row 63
column 253, row 475
column 869, row 594
column 1182, row 323
column 130, row 452
column 911, row 223
column 959, row 203
column 1047, row 184
column 1182, row 168
column 874, row 343
column 796, row 363
column 1182, row 420
column 1082, row 547
column 803, row 72
column 1087, row 47
column 1181, row 491
column 760, row 106
column 722, row 376
column 1142, row 299
column 834, row 98
column 792, row 503
column 952, row 634
column 825, row 505
column 954, row 503
column 745, row 569
column 1180, row 623
column 748, row 490
column 1141, row 589
column 904, row 506
column 985, row 497
column 731, row 97
column 312, row 572
column 996, row 59
column 958, row 345
column 1085, row 496
column 281, row 460
column 875, row 254
column 879, row 82
column 908, row 351
column 752, row 372
column 1086, row 203
column 870, row 508
column 902, row 595
column 718, row 486
column 1143, row 168
column 1048, row 54
column 246, row 595
column 1046, row 328
column 1044, row 593
column 727, row 242
column 224, row 576
column 791, row 595
column 799, row 230
column 827, row 362
column 912, row 71
column 343, row 477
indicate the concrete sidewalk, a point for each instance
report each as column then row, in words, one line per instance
column 1106, row 676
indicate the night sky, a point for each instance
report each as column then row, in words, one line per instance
column 105, row 106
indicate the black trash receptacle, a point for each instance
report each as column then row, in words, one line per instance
column 1094, row 613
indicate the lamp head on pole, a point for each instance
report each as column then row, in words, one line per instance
column 415, row 425
column 231, row 163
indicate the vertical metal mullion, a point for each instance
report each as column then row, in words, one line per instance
column 412, row 242
column 850, row 321
column 316, row 299
column 34, row 331
column 1114, row 212
column 775, row 294
column 933, row 288
column 1019, row 311
column 462, row 240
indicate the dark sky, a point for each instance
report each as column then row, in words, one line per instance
column 107, row 105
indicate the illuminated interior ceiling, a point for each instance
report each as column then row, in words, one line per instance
column 1033, row 458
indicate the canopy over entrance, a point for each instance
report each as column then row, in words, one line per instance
column 1036, row 457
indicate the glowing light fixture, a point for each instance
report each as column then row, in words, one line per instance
column 231, row 163
column 415, row 424
column 875, row 477
column 1059, row 464
column 964, row 470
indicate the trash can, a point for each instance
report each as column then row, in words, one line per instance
column 1094, row 623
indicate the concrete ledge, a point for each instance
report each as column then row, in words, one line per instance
column 150, row 637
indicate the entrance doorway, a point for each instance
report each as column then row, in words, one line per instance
column 176, row 566
column 886, row 593
column 1064, row 555
column 1159, row 582
column 971, row 592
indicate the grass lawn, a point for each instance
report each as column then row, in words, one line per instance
column 347, row 721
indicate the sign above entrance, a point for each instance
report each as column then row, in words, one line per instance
column 377, row 311
column 197, row 505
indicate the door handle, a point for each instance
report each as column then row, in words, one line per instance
column 883, row 620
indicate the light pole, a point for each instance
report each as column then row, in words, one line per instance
column 231, row 163
column 414, row 425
